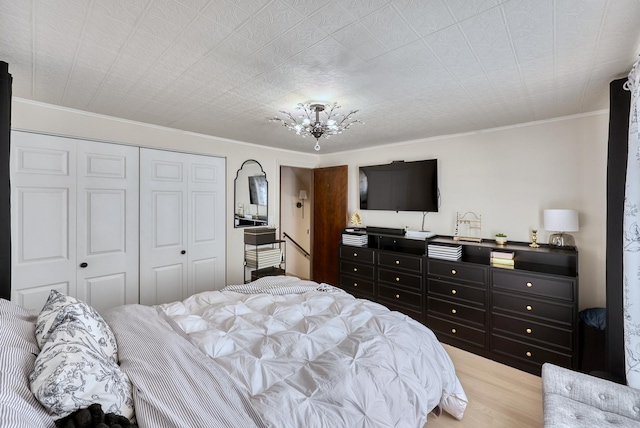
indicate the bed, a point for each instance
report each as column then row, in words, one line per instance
column 277, row 352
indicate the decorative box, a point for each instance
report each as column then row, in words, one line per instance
column 259, row 236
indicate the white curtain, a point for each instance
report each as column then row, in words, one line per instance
column 631, row 253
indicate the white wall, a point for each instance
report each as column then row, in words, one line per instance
column 32, row 116
column 509, row 176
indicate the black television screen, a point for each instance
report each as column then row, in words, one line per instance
column 400, row 186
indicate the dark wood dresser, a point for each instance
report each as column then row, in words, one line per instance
column 521, row 315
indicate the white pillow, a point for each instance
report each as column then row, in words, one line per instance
column 77, row 365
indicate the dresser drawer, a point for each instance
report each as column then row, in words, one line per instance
column 456, row 330
column 400, row 261
column 356, row 285
column 458, row 271
column 456, row 311
column 364, row 255
column 414, row 313
column 531, row 307
column 532, row 331
column 457, row 291
column 527, row 352
column 539, row 285
column 400, row 278
column 354, row 268
column 400, row 297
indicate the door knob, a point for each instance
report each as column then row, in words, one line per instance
column 183, row 252
column 83, row 265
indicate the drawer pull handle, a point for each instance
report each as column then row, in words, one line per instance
column 453, row 330
column 397, row 296
column 529, row 285
column 355, row 254
column 453, row 311
column 355, row 284
column 453, row 272
column 453, row 291
column 529, row 307
column 397, row 279
column 355, row 269
column 528, row 354
column 528, row 331
column 397, row 262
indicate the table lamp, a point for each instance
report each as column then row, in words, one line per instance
column 561, row 221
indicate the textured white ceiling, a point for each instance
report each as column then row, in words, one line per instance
column 414, row 68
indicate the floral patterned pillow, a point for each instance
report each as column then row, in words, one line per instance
column 77, row 365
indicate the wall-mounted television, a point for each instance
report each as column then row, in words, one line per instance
column 400, row 186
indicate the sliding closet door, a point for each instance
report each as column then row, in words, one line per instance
column 182, row 226
column 43, row 217
column 107, row 245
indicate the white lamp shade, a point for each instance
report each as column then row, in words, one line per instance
column 302, row 195
column 561, row 220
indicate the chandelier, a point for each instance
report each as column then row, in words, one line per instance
column 309, row 122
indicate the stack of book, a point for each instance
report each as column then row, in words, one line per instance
column 358, row 240
column 445, row 252
column 263, row 257
column 419, row 234
column 503, row 259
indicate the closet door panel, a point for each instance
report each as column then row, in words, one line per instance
column 163, row 227
column 43, row 217
column 104, row 291
column 35, row 297
column 107, row 255
column 206, row 226
column 168, row 282
column 182, row 225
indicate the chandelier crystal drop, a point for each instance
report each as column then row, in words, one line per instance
column 310, row 122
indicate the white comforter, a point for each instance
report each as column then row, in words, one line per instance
column 323, row 359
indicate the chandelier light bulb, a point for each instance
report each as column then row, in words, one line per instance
column 318, row 120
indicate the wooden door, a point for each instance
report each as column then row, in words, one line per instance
column 107, row 244
column 330, row 216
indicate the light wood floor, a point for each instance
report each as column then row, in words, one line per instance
column 499, row 396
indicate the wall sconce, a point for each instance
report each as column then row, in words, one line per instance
column 561, row 221
column 303, row 197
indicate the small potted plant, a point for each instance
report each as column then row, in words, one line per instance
column 501, row 238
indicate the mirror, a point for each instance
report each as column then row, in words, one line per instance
column 251, row 197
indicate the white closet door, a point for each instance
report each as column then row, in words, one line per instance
column 206, row 225
column 107, row 245
column 43, row 217
column 182, row 241
column 163, row 227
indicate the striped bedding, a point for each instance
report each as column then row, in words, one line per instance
column 278, row 352
column 174, row 384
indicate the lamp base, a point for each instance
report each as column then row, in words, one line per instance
column 561, row 240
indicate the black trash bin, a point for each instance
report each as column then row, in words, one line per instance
column 591, row 340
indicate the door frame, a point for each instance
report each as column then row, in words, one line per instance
column 278, row 194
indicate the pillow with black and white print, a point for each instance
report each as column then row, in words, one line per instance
column 77, row 365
